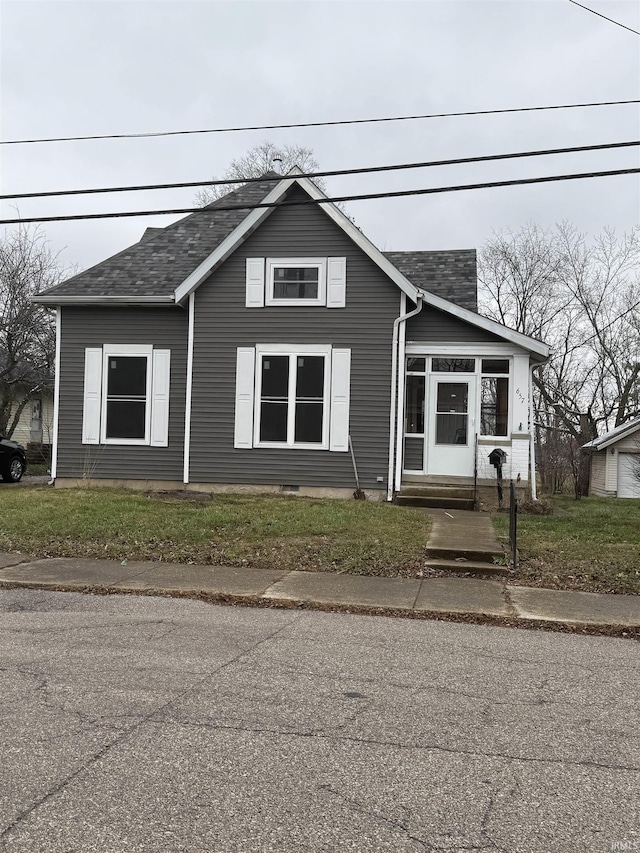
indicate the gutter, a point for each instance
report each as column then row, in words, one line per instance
column 54, row 301
column 394, row 390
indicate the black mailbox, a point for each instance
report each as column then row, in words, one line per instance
column 497, row 458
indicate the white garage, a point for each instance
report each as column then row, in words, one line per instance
column 615, row 462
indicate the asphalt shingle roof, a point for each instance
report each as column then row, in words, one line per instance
column 451, row 274
column 160, row 262
column 164, row 257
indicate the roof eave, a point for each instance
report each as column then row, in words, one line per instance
column 606, row 440
column 53, row 300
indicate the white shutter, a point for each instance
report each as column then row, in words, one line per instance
column 160, row 398
column 92, row 396
column 340, row 386
column 245, row 373
column 255, row 283
column 336, row 282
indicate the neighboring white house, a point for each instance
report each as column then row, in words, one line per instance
column 614, row 462
column 36, row 420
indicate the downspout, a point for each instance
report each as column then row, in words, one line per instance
column 532, row 438
column 394, row 390
column 56, row 400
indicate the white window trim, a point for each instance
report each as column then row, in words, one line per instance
column 293, row 352
column 509, row 377
column 310, row 263
column 133, row 350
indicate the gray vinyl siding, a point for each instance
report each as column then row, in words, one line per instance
column 163, row 328
column 438, row 327
column 222, row 323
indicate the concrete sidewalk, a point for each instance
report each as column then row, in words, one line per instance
column 457, row 597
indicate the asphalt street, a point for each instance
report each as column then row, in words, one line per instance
column 150, row 724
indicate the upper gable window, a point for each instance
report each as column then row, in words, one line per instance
column 296, row 282
column 280, row 282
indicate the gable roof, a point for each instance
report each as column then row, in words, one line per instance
column 166, row 267
column 615, row 435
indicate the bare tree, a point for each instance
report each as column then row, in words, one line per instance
column 258, row 160
column 27, row 335
column 583, row 298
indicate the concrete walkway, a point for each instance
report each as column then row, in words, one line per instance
column 456, row 597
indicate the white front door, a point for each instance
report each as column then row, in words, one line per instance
column 451, row 425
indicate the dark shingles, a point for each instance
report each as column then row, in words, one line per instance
column 161, row 261
column 451, row 274
column 164, row 257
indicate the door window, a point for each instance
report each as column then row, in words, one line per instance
column 452, row 404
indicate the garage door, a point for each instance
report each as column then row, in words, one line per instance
column 628, row 475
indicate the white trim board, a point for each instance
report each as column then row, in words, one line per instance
column 255, row 217
column 56, row 397
column 467, row 350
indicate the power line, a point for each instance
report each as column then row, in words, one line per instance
column 593, row 12
column 335, row 199
column 315, row 123
column 332, row 173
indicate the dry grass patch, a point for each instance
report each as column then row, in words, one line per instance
column 592, row 545
column 262, row 531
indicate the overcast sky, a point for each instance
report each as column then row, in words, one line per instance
column 104, row 66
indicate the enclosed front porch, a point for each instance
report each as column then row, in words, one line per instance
column 459, row 409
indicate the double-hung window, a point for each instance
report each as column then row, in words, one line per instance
column 292, row 396
column 126, row 395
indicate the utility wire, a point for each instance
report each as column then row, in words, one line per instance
column 335, row 199
column 316, row 123
column 600, row 15
column 332, row 173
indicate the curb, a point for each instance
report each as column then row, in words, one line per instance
column 512, row 621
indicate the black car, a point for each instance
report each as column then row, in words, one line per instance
column 13, row 460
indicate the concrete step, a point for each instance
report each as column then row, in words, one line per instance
column 472, row 567
column 465, row 492
column 435, row 502
column 454, row 553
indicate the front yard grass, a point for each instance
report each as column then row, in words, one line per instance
column 592, row 545
column 261, row 531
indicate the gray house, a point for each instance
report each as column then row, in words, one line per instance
column 250, row 347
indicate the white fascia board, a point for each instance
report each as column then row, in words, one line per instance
column 609, row 438
column 517, row 338
column 103, row 300
column 229, row 244
column 412, row 291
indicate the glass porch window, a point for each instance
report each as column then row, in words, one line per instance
column 494, row 397
column 414, row 417
column 453, row 365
